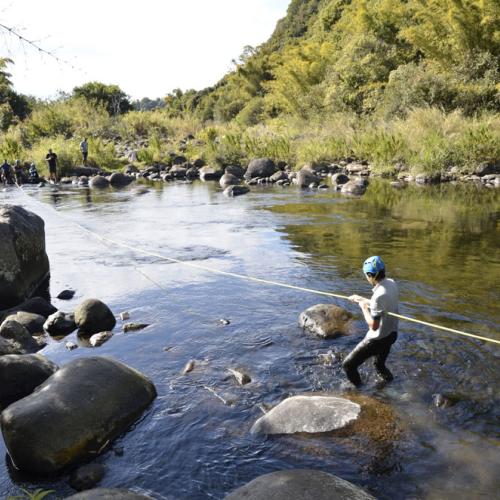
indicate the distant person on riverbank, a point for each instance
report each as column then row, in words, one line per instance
column 51, row 159
column 84, row 148
column 19, row 173
column 6, row 173
column 383, row 328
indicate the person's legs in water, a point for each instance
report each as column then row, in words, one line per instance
column 380, row 358
column 364, row 350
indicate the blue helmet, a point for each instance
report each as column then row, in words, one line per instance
column 373, row 265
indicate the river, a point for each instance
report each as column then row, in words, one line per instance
column 440, row 243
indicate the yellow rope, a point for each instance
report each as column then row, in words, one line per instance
column 260, row 280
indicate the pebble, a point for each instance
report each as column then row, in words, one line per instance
column 70, row 346
column 241, row 377
column 124, row 315
column 134, row 327
column 66, row 295
column 189, row 367
column 224, row 321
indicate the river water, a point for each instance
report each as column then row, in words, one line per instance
column 439, row 243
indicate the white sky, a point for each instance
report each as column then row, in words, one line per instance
column 147, row 47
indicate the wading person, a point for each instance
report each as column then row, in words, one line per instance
column 383, row 328
column 84, row 148
column 51, row 159
column 6, row 174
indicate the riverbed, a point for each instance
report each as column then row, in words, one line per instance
column 440, row 243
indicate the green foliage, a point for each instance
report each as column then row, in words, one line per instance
column 110, row 96
column 38, row 494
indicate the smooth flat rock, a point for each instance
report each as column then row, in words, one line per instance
column 325, row 320
column 311, row 414
column 299, row 484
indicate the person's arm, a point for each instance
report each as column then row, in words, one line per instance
column 372, row 320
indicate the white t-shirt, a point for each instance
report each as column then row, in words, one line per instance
column 384, row 300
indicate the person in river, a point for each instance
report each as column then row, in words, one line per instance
column 6, row 174
column 51, row 159
column 33, row 176
column 383, row 328
column 84, row 148
column 19, row 173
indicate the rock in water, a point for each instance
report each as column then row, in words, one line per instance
column 305, row 177
column 19, row 335
column 21, row 374
column 311, row 414
column 134, row 327
column 60, row 324
column 118, row 179
column 86, row 476
column 108, row 494
column 299, row 484
column 24, row 265
column 99, row 338
column 74, row 414
column 210, row 173
column 355, row 187
column 325, row 320
column 228, row 180
column 241, row 377
column 99, row 182
column 32, row 322
column 189, row 367
column 260, row 167
column 35, row 305
column 235, row 190
column 94, row 316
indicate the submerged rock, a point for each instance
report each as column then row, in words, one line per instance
column 325, row 320
column 355, row 187
column 108, row 494
column 311, row 414
column 94, row 316
column 134, row 327
column 236, row 190
column 99, row 182
column 86, row 476
column 74, row 414
column 299, row 484
column 241, row 377
column 228, row 180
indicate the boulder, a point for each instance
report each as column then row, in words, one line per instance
column 32, row 322
column 98, row 182
column 21, row 374
column 9, row 347
column 130, row 169
column 355, row 187
column 236, row 190
column 19, row 335
column 60, row 324
column 339, row 178
column 311, row 414
column 118, row 179
column 299, row 484
column 86, row 476
column 178, row 172
column 192, row 173
column 235, row 170
column 94, row 316
column 305, row 177
column 74, row 414
column 279, row 176
column 210, row 173
column 24, row 265
column 99, row 338
column 260, row 167
column 35, row 305
column 228, row 180
column 325, row 320
column 108, row 494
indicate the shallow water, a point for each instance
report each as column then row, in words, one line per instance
column 439, row 243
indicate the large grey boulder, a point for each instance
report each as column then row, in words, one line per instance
column 228, row 180
column 208, row 173
column 355, row 187
column 311, row 414
column 99, row 182
column 20, row 375
column 35, row 305
column 24, row 265
column 299, row 484
column 9, row 347
column 60, row 324
column 108, row 494
column 235, row 170
column 120, row 180
column 94, row 316
column 325, row 320
column 306, row 176
column 74, row 414
column 260, row 167
column 31, row 321
column 19, row 336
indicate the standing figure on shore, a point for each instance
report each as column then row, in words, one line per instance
column 383, row 328
column 84, row 148
column 51, row 159
column 6, row 173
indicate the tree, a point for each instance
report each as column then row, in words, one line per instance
column 111, row 96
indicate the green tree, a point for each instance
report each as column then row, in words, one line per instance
column 111, row 96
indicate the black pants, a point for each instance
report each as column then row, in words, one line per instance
column 367, row 348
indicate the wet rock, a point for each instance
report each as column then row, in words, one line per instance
column 99, row 182
column 94, row 316
column 134, row 327
column 99, row 338
column 236, row 191
column 235, row 170
column 120, row 180
column 70, row 346
column 19, row 336
column 427, row 178
column 441, row 400
column 86, row 476
column 192, row 173
column 228, row 180
column 189, row 367
column 130, row 169
column 178, row 160
column 21, row 374
column 66, row 295
column 24, row 265
column 210, row 173
column 108, row 494
column 279, row 176
column 339, row 178
column 9, row 347
column 322, row 186
column 241, row 377
column 82, row 171
column 325, row 320
column 486, row 168
column 35, row 305
column 178, row 172
column 60, row 324
column 355, row 187
column 224, row 321
column 305, row 177
column 260, row 167
column 89, row 414
column 124, row 315
column 311, row 414
column 32, row 322
column 299, row 484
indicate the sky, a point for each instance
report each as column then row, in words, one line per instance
column 147, row 47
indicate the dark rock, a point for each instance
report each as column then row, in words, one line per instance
column 192, row 173
column 108, row 494
column 130, row 169
column 339, row 178
column 235, row 170
column 299, row 484
column 179, row 160
column 73, row 415
column 279, row 176
column 325, row 320
column 134, row 327
column 427, row 178
column 228, row 180
column 355, row 187
column 21, row 374
column 305, row 176
column 9, row 347
column 120, row 180
column 178, row 172
column 94, row 316
column 198, row 163
column 35, row 305
column 83, row 171
column 260, row 167
column 32, row 322
column 66, row 295
column 441, row 400
column 86, row 476
column 19, row 335
column 322, row 186
column 210, row 173
column 24, row 265
column 99, row 182
column 59, row 324
column 236, row 190
column 486, row 168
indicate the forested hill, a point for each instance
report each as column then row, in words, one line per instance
column 378, row 57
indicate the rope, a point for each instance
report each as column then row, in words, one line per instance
column 261, row 280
